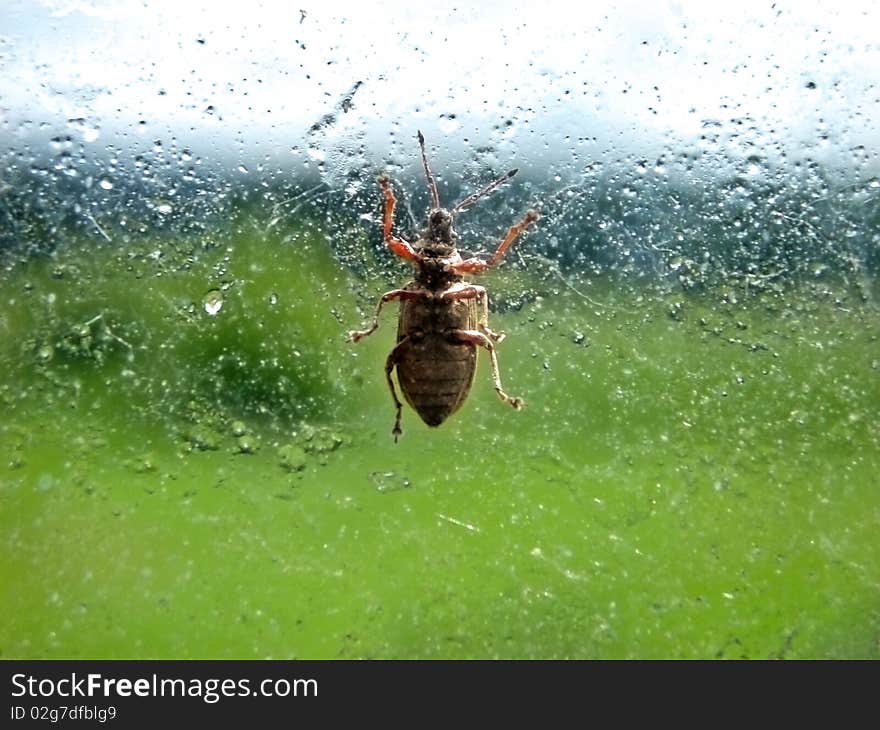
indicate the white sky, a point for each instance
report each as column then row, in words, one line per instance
column 630, row 77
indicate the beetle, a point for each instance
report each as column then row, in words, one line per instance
column 442, row 318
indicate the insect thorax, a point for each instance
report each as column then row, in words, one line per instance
column 432, row 270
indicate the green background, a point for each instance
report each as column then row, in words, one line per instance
column 694, row 475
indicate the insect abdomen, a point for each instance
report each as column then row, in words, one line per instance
column 435, row 376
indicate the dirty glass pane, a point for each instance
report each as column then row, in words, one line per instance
column 197, row 462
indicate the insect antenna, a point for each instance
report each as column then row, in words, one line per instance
column 474, row 197
column 432, row 183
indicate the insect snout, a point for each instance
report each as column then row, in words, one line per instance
column 440, row 225
column 441, row 217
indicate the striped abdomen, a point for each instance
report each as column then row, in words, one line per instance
column 435, row 375
column 435, row 371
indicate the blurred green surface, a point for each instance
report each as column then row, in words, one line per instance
column 693, row 476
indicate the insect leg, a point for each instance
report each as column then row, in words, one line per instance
column 398, row 245
column 474, row 337
column 358, row 335
column 390, row 364
column 475, row 266
column 473, row 291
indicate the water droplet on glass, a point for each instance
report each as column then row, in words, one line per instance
column 59, row 143
column 213, row 302
column 448, row 123
column 45, row 353
column 86, row 130
column 273, row 299
column 389, row 481
column 105, row 183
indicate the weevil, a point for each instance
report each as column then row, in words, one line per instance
column 443, row 319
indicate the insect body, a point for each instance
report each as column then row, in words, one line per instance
column 443, row 318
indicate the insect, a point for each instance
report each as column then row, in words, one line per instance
column 443, row 319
